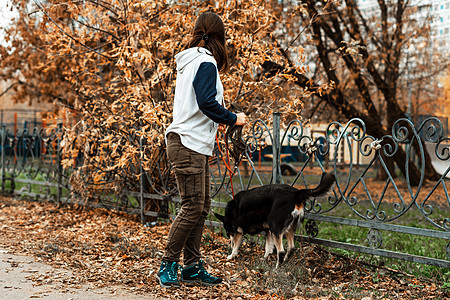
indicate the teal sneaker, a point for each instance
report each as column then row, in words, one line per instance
column 168, row 274
column 198, row 274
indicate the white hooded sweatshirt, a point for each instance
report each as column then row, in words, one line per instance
column 198, row 101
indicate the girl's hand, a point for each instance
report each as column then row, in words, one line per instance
column 241, row 119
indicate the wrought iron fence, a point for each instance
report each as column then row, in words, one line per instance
column 295, row 155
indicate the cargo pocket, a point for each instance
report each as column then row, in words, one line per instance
column 190, row 183
column 189, row 169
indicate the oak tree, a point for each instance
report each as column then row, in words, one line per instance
column 110, row 65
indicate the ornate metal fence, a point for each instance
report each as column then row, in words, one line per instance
column 31, row 165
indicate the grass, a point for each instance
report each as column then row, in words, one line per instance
column 393, row 241
column 24, row 187
column 418, row 245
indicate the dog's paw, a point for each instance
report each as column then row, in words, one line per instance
column 230, row 257
column 270, row 255
column 280, row 260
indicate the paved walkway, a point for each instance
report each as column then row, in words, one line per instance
column 23, row 277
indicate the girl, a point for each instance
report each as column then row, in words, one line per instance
column 197, row 112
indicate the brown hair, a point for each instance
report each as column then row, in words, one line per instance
column 209, row 33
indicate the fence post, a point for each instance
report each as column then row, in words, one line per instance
column 59, row 163
column 276, row 161
column 141, row 181
column 3, row 136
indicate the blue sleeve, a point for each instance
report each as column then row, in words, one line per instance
column 205, row 92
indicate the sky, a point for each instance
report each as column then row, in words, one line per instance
column 5, row 15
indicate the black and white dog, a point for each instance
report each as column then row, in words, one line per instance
column 276, row 209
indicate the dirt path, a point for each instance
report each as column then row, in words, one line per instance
column 23, row 277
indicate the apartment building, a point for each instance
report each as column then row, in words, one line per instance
column 434, row 12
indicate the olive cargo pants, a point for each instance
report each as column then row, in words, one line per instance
column 192, row 175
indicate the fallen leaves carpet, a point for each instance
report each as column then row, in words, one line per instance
column 111, row 248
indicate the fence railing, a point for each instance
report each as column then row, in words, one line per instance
column 394, row 204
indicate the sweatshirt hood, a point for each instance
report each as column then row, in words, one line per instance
column 189, row 55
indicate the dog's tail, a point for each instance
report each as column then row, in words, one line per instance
column 324, row 188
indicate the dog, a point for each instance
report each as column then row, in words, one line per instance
column 276, row 209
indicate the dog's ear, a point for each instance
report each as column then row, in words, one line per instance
column 220, row 217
